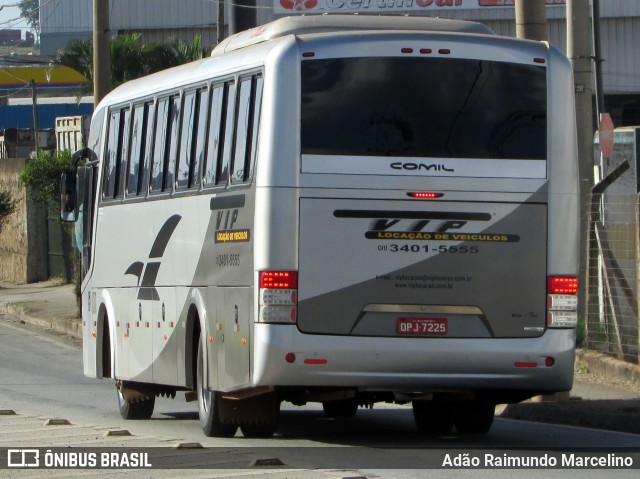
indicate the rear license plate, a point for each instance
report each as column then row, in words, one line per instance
column 422, row 326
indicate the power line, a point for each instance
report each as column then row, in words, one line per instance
column 22, row 18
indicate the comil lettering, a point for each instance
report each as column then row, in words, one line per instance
column 397, row 165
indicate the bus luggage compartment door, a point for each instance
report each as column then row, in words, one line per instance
column 408, row 268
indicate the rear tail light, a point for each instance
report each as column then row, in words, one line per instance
column 562, row 285
column 562, row 301
column 279, row 279
column 424, row 195
column 278, row 297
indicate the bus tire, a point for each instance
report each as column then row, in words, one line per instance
column 434, row 417
column 142, row 409
column 208, row 401
column 340, row 408
column 475, row 417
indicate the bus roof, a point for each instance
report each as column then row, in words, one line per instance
column 344, row 23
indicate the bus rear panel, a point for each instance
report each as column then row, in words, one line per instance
column 428, row 215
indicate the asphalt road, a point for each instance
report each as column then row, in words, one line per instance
column 41, row 377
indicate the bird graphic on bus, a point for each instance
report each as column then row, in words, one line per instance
column 147, row 287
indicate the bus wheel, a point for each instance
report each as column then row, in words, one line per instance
column 340, row 408
column 141, row 409
column 434, row 417
column 475, row 417
column 208, row 405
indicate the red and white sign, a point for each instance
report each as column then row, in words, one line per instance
column 381, row 6
column 510, row 3
column 605, row 134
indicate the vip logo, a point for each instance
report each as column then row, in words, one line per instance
column 23, row 458
column 226, row 219
column 385, row 224
column 414, row 221
column 147, row 273
column 388, row 224
column 299, row 4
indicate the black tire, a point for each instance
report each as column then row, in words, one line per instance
column 106, row 350
column 434, row 417
column 135, row 410
column 340, row 408
column 208, row 405
column 475, row 417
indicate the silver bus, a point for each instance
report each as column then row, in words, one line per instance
column 335, row 209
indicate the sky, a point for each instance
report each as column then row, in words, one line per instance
column 10, row 15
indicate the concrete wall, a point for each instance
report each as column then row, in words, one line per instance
column 23, row 239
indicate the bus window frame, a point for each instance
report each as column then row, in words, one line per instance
column 224, row 123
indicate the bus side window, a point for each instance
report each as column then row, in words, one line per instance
column 173, row 137
column 136, row 166
column 243, row 130
column 116, row 154
column 257, row 103
column 160, row 134
column 222, row 171
column 201, row 138
column 123, row 155
column 147, row 150
column 250, row 98
column 215, row 130
column 187, row 127
column 111, row 156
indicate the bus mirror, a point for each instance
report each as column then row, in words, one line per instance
column 69, row 196
column 83, row 154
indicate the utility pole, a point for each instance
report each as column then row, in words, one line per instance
column 579, row 52
column 597, row 58
column 34, row 101
column 101, row 51
column 220, row 22
column 531, row 20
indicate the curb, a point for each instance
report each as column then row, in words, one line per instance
column 612, row 415
column 69, row 326
column 603, row 365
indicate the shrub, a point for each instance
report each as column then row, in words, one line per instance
column 41, row 176
column 7, row 206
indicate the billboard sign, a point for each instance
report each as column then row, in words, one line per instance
column 381, row 6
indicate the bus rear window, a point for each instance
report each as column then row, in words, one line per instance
column 424, row 107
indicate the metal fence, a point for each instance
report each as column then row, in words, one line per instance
column 611, row 323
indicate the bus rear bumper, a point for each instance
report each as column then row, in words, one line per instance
column 283, row 356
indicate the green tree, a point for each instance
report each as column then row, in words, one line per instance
column 30, row 10
column 78, row 54
column 7, row 206
column 186, row 53
column 130, row 58
column 41, row 176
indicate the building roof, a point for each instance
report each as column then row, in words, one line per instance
column 49, row 76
